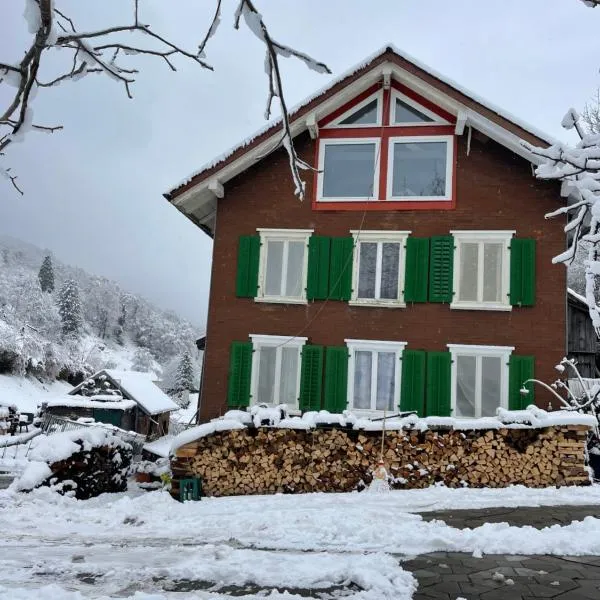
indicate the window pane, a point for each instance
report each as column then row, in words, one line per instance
column 294, row 283
column 367, row 269
column 363, row 116
column 465, row 386
column 469, row 255
column 419, row 169
column 362, row 379
column 407, row 114
column 390, row 264
column 491, row 384
column 274, row 268
column 349, row 170
column 266, row 375
column 289, row 376
column 492, row 273
column 386, row 380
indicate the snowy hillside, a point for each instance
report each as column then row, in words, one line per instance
column 60, row 322
column 26, row 393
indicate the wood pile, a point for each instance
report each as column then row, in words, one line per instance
column 92, row 472
column 271, row 460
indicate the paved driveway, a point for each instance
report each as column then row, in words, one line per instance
column 452, row 575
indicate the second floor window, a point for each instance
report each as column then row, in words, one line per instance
column 283, row 264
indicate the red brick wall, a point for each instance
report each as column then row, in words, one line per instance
column 495, row 190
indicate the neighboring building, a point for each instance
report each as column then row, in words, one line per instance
column 581, row 336
column 416, row 274
column 126, row 399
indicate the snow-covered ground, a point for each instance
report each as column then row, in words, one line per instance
column 145, row 543
column 26, row 393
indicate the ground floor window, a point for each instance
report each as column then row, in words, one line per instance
column 479, row 379
column 276, row 369
column 374, row 374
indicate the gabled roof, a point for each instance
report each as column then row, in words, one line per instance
column 138, row 387
column 469, row 108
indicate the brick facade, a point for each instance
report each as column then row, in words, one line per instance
column 495, row 189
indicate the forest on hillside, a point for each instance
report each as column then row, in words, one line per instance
column 58, row 321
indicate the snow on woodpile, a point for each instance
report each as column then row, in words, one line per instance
column 530, row 418
column 146, row 393
column 57, row 460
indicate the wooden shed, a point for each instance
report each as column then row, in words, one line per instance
column 127, row 399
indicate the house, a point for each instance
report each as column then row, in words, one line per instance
column 126, row 399
column 415, row 276
column 582, row 342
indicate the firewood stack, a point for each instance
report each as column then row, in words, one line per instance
column 271, row 460
column 92, row 472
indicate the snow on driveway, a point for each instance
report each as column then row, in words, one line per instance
column 313, row 545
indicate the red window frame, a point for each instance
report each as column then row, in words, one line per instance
column 384, row 132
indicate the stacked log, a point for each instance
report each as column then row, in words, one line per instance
column 271, row 460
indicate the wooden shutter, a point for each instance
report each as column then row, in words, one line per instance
column 417, row 269
column 441, row 268
column 240, row 372
column 340, row 271
column 336, row 379
column 522, row 271
column 437, row 402
column 412, row 395
column 311, row 378
column 247, row 268
column 520, row 369
column 319, row 248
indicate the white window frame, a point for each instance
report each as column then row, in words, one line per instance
column 480, row 237
column 279, row 341
column 379, row 236
column 323, row 142
column 373, row 346
column 503, row 352
column 336, row 123
column 281, row 235
column 396, row 95
column 406, row 139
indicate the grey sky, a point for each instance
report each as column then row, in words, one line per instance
column 93, row 191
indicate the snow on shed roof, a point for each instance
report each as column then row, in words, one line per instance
column 116, row 403
column 143, row 390
column 272, row 124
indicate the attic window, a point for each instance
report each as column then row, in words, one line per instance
column 407, row 114
column 367, row 115
column 406, row 111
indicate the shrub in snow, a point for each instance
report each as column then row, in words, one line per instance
column 82, row 463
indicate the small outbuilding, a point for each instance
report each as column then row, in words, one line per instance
column 126, row 399
column 581, row 337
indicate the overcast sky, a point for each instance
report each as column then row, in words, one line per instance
column 94, row 191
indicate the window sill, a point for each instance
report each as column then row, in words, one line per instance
column 477, row 306
column 382, row 205
column 376, row 304
column 281, row 300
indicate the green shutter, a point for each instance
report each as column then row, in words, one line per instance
column 336, row 379
column 520, row 369
column 441, row 268
column 240, row 372
column 340, row 272
column 318, row 267
column 247, row 268
column 417, row 269
column 311, row 378
column 412, row 396
column 522, row 271
column 438, row 384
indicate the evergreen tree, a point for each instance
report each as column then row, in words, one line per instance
column 69, row 307
column 46, row 275
column 184, row 380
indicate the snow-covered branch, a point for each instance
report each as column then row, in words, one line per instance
column 578, row 167
column 105, row 51
column 275, row 50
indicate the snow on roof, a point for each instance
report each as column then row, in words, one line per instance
column 348, row 73
column 115, row 403
column 577, row 296
column 141, row 388
column 530, row 418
